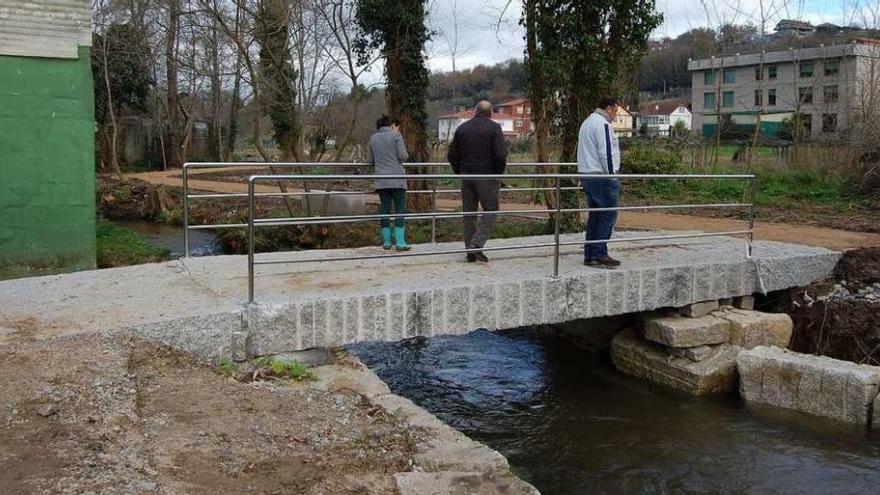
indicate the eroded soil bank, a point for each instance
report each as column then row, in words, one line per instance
column 838, row 317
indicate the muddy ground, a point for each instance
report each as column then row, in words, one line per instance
column 120, row 415
column 839, row 317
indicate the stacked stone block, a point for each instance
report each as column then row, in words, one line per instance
column 816, row 385
column 695, row 350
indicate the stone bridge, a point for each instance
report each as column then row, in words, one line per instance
column 198, row 304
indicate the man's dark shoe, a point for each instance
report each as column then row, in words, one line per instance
column 471, row 258
column 607, row 262
column 480, row 257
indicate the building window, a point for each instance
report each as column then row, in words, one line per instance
column 832, row 67
column 709, row 100
column 771, row 72
column 528, row 110
column 729, row 76
column 829, row 122
column 830, row 94
column 771, row 97
column 759, row 74
column 519, row 110
column 518, row 123
column 806, row 69
column 708, row 77
column 727, row 99
column 805, row 95
column 758, row 99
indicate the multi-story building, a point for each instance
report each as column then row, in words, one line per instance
column 828, row 89
column 514, row 117
column 656, row 118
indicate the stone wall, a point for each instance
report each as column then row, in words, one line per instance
column 46, row 165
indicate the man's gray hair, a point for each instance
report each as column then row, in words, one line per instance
column 484, row 108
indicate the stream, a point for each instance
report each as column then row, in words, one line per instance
column 170, row 237
column 569, row 423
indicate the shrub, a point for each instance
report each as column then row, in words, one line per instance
column 644, row 159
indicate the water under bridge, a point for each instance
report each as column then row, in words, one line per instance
column 200, row 304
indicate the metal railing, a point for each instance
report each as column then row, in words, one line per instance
column 254, row 222
column 434, row 192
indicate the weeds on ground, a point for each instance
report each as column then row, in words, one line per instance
column 278, row 368
column 227, row 367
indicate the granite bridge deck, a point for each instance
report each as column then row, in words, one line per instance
column 198, row 304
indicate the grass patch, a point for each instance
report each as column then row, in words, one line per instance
column 285, row 369
column 117, row 246
column 227, row 367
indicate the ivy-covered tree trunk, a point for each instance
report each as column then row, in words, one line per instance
column 581, row 50
column 397, row 28
column 278, row 77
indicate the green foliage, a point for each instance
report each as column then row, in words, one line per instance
column 283, row 368
column 227, row 367
column 173, row 216
column 397, row 28
column 277, row 76
column 121, row 247
column 648, row 159
column 127, row 54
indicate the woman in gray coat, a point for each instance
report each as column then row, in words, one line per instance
column 386, row 152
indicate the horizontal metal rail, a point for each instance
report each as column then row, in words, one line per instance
column 254, row 222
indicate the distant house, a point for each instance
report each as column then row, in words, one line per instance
column 658, row 117
column 623, row 123
column 514, row 116
column 794, row 28
column 448, row 123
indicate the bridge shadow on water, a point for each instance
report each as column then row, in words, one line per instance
column 568, row 423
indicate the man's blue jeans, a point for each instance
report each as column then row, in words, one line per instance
column 601, row 193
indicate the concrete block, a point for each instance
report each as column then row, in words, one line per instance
column 413, row 315
column 308, row 320
column 599, row 294
column 735, row 279
column 351, row 325
column 578, row 293
column 636, row 356
column 424, row 319
column 239, row 346
column 695, row 354
column 375, row 317
column 703, row 283
column 396, row 329
column 666, row 287
column 683, row 286
column 332, row 335
column 532, row 302
column 719, row 281
column 274, row 329
column 744, row 302
column 438, row 311
column 677, row 331
column 482, row 305
column 727, row 301
column 648, row 298
column 817, row 385
column 750, row 329
column 555, row 301
column 457, row 310
column 632, row 291
column 461, row 482
column 699, row 309
column 509, row 305
column 616, row 293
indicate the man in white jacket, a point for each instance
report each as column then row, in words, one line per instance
column 599, row 153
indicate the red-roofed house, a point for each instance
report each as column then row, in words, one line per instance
column 658, row 117
column 514, row 117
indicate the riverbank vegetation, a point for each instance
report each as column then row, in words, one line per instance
column 117, row 246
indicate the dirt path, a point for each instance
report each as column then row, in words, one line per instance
column 798, row 234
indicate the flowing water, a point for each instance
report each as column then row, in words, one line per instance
column 569, row 424
column 170, row 237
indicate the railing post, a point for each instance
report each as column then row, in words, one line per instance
column 185, row 212
column 434, row 211
column 251, row 215
column 556, row 227
column 751, row 238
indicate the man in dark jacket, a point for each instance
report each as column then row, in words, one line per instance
column 478, row 147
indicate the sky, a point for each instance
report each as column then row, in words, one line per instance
column 488, row 34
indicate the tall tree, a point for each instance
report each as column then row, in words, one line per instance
column 581, row 51
column 397, row 28
column 174, row 139
column 278, row 77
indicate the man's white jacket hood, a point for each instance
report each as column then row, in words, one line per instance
column 598, row 151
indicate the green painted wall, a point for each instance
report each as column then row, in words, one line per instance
column 47, row 172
